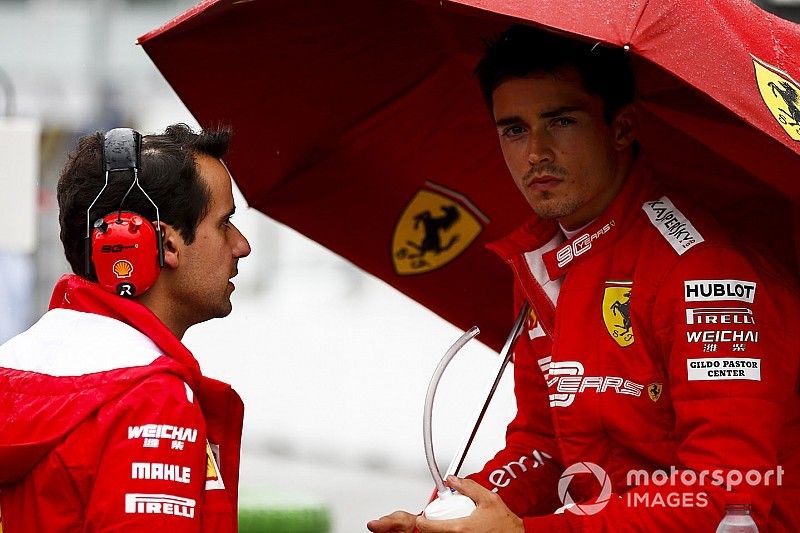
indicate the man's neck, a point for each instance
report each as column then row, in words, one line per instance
column 165, row 312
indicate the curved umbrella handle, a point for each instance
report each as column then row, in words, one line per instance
column 428, row 413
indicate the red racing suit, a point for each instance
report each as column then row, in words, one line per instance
column 107, row 424
column 664, row 355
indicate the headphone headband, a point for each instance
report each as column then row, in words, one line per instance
column 122, row 150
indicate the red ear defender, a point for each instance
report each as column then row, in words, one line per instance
column 123, row 249
column 125, row 253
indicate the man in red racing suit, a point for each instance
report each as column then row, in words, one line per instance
column 669, row 350
column 659, row 366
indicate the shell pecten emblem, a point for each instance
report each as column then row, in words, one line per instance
column 122, row 269
column 436, row 227
column 781, row 94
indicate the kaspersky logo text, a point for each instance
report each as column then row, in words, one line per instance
column 568, row 380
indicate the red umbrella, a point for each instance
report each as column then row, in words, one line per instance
column 359, row 123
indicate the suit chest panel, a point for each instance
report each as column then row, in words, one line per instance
column 605, row 374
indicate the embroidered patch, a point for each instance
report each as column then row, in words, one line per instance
column 617, row 311
column 654, row 391
column 672, row 224
column 723, row 368
column 213, row 475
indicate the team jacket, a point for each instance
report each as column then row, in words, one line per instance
column 654, row 344
column 107, row 424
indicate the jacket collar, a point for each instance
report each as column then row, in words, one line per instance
column 78, row 294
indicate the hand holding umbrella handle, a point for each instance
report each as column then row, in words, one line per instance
column 449, row 504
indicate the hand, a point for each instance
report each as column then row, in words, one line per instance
column 397, row 522
column 491, row 515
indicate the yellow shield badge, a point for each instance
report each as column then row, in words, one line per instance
column 433, row 230
column 781, row 94
column 617, row 311
column 654, row 391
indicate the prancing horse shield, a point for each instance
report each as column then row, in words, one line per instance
column 617, row 311
column 433, row 230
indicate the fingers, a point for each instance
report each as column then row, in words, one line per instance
column 474, row 491
column 397, row 522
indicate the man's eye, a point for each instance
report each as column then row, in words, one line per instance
column 563, row 121
column 512, row 131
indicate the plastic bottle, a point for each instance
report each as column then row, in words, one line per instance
column 737, row 517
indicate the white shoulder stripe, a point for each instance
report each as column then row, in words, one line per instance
column 672, row 224
column 71, row 343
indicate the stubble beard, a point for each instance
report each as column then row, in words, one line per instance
column 547, row 205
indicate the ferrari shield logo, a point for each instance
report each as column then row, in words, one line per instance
column 213, row 477
column 433, row 230
column 782, row 96
column 654, row 391
column 617, row 311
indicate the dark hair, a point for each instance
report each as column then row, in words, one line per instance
column 168, row 173
column 522, row 50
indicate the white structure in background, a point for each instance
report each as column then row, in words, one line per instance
column 19, row 180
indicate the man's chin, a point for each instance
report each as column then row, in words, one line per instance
column 552, row 209
column 226, row 309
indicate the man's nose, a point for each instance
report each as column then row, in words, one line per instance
column 241, row 246
column 539, row 150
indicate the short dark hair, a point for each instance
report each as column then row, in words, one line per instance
column 522, row 50
column 168, row 173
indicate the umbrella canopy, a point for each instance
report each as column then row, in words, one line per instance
column 359, row 123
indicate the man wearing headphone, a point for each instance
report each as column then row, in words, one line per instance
column 106, row 421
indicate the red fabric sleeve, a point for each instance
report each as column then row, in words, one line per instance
column 152, row 460
column 732, row 397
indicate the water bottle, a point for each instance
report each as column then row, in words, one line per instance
column 737, row 517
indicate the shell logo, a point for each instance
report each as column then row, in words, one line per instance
column 122, row 268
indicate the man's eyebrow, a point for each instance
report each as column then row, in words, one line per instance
column 507, row 121
column 516, row 119
column 560, row 111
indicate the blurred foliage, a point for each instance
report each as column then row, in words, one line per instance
column 266, row 520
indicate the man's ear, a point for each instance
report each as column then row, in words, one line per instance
column 625, row 126
column 171, row 241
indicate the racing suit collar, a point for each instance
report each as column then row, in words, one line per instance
column 598, row 235
column 76, row 293
column 605, row 229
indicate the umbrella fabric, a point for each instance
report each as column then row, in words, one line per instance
column 359, row 123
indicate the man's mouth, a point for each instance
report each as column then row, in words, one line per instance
column 543, row 182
